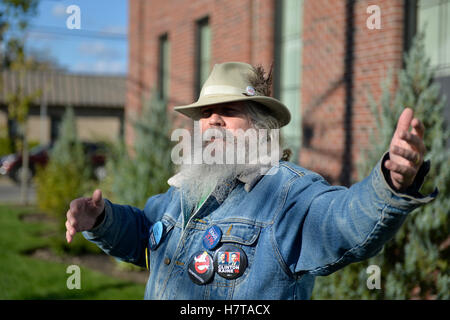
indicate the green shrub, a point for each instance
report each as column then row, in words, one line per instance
column 65, row 178
column 5, row 146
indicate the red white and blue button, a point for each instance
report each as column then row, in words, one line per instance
column 230, row 261
column 250, row 91
column 212, row 237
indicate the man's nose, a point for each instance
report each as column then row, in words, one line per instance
column 216, row 120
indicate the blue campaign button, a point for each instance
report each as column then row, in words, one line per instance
column 212, row 237
column 156, row 234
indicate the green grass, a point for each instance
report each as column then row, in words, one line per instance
column 23, row 277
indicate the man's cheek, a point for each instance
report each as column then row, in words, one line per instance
column 203, row 126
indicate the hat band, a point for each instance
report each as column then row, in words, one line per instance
column 218, row 90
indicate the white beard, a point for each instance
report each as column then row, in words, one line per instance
column 198, row 180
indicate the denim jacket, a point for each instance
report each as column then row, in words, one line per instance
column 290, row 223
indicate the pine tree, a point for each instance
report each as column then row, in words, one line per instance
column 134, row 176
column 68, row 149
column 415, row 263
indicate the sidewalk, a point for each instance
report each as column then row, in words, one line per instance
column 10, row 192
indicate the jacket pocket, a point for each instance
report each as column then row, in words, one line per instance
column 240, row 233
column 245, row 237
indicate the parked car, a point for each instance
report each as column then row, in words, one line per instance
column 11, row 164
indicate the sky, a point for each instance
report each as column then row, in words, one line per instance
column 100, row 46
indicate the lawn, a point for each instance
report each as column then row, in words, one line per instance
column 24, row 277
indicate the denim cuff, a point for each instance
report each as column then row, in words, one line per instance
column 103, row 227
column 402, row 200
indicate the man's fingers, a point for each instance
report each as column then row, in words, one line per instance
column 71, row 219
column 68, row 226
column 404, row 171
column 404, row 121
column 413, row 140
column 412, row 156
column 68, row 237
column 71, row 228
column 418, row 128
column 70, row 232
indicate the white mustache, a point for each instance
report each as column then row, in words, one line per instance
column 222, row 146
column 213, row 134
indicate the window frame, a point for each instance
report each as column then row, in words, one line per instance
column 199, row 49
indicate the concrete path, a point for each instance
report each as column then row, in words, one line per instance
column 10, row 192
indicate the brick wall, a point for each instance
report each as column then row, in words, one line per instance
column 334, row 130
column 335, row 120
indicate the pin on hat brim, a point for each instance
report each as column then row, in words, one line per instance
column 275, row 107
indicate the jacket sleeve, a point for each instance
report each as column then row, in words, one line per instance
column 341, row 225
column 124, row 231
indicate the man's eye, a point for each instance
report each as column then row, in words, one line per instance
column 232, row 112
column 206, row 113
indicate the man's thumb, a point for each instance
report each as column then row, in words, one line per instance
column 404, row 121
column 97, row 197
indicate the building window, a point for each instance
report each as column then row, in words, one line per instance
column 288, row 44
column 203, row 54
column 163, row 67
column 433, row 19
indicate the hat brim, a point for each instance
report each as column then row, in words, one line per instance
column 277, row 109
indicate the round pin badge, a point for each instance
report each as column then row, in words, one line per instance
column 212, row 237
column 155, row 236
column 250, row 91
column 230, row 261
column 201, row 268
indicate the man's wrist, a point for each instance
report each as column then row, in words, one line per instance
column 100, row 218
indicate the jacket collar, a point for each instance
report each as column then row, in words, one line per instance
column 252, row 178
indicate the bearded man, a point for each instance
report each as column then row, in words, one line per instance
column 283, row 224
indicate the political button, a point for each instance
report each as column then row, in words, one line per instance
column 230, row 261
column 212, row 237
column 250, row 91
column 201, row 268
column 155, row 235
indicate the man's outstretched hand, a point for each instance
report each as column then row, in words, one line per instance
column 83, row 213
column 406, row 151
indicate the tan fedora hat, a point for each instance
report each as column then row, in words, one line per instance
column 230, row 82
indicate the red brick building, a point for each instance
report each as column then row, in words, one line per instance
column 326, row 53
